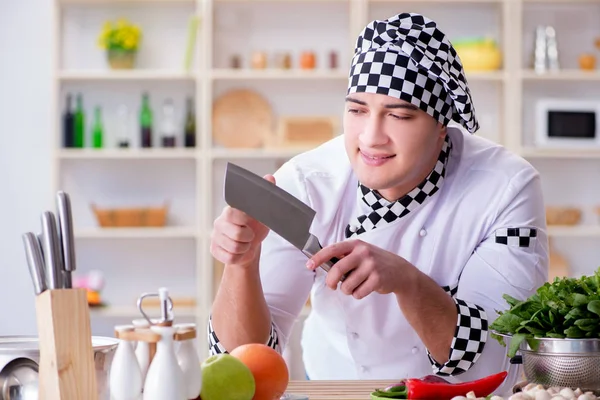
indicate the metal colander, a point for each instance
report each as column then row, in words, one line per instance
column 573, row 363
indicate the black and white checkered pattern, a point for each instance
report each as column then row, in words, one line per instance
column 409, row 58
column 385, row 212
column 518, row 237
column 215, row 347
column 451, row 289
column 469, row 340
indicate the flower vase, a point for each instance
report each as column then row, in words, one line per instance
column 121, row 59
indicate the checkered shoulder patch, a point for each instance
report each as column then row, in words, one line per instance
column 469, row 340
column 518, row 237
column 451, row 289
column 215, row 347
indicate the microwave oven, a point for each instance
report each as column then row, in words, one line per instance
column 567, row 123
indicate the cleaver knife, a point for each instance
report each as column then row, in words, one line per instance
column 269, row 204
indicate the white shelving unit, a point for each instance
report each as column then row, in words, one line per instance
column 138, row 260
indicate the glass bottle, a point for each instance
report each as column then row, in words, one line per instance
column 68, row 124
column 190, row 124
column 168, row 130
column 146, row 121
column 123, row 132
column 97, row 129
column 79, row 122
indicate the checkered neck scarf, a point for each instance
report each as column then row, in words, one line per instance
column 383, row 211
column 408, row 58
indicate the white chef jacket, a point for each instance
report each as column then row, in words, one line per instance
column 458, row 237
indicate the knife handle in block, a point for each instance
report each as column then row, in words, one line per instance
column 312, row 247
column 66, row 368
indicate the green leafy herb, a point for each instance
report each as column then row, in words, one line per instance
column 565, row 308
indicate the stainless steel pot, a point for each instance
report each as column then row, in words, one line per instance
column 19, row 358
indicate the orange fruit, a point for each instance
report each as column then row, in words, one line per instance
column 270, row 371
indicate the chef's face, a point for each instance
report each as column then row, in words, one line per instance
column 392, row 145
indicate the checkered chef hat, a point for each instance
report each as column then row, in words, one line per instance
column 408, row 57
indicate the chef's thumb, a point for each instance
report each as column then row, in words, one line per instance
column 270, row 178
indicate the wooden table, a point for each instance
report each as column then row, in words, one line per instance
column 337, row 390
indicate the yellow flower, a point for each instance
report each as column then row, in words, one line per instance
column 120, row 34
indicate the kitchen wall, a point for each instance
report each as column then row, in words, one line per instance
column 25, row 120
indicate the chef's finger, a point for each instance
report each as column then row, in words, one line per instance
column 230, row 245
column 341, row 268
column 336, row 250
column 242, row 234
column 223, row 255
column 270, row 178
column 365, row 288
column 355, row 279
column 236, row 216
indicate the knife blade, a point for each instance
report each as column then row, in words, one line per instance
column 271, row 205
column 66, row 237
column 35, row 261
column 52, row 256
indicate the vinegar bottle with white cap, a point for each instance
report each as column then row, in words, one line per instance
column 142, row 350
column 125, row 375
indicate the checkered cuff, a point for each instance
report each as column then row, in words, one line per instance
column 215, row 347
column 469, row 339
column 516, row 237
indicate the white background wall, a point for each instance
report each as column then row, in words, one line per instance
column 25, row 121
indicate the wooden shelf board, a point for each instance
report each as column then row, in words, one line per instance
column 127, row 154
column 560, row 153
column 273, row 73
column 257, row 153
column 133, row 313
column 562, row 75
column 574, row 231
column 134, row 74
column 137, row 233
column 436, row 1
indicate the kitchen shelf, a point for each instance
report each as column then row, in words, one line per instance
column 574, row 231
column 533, row 153
column 562, row 75
column 247, row 74
column 137, row 233
column 134, row 313
column 436, row 1
column 128, row 154
column 126, row 75
column 224, row 154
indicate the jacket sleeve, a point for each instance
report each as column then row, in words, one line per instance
column 286, row 282
column 511, row 259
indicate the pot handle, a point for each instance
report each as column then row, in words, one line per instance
column 516, row 360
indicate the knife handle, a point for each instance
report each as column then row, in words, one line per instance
column 312, row 247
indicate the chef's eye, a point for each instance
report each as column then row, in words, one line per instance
column 400, row 117
column 353, row 110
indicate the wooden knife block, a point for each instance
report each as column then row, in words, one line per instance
column 66, row 368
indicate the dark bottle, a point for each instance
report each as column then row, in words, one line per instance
column 190, row 124
column 146, row 122
column 97, row 129
column 79, row 125
column 69, row 125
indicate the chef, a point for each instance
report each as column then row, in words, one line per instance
column 432, row 225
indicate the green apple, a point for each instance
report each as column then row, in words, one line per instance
column 226, row 377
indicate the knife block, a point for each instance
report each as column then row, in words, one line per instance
column 66, row 367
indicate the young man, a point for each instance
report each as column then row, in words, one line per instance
column 435, row 225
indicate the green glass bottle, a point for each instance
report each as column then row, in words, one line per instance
column 97, row 129
column 79, row 122
column 190, row 124
column 146, row 122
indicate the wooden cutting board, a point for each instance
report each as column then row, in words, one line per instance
column 337, row 390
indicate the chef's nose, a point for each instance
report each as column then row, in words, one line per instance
column 374, row 134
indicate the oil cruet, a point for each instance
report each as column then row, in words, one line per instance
column 125, row 375
column 188, row 360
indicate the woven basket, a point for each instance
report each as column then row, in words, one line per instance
column 131, row 217
column 562, row 216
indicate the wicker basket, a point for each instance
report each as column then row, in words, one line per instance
column 562, row 216
column 131, row 217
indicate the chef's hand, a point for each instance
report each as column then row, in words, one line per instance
column 236, row 237
column 372, row 268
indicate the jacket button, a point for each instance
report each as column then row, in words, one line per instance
column 364, row 368
column 415, row 350
column 354, row 335
column 423, row 232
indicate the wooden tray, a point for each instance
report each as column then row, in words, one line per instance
column 131, row 217
column 242, row 118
